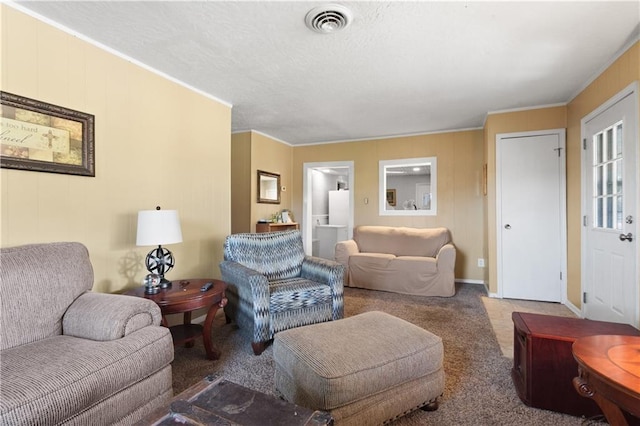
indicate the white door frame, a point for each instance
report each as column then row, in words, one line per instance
column 630, row 90
column 307, row 181
column 561, row 133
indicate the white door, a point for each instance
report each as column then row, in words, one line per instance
column 610, row 141
column 531, row 218
column 423, row 196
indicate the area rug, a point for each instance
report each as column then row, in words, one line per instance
column 478, row 388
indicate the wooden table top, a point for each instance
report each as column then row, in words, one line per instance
column 614, row 358
column 184, row 295
column 567, row 328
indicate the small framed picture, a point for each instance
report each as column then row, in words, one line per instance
column 391, row 197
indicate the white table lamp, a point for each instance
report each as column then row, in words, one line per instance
column 157, row 227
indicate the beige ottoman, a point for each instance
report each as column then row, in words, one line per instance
column 367, row 369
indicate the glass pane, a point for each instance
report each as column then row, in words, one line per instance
column 598, row 213
column 618, row 165
column 609, row 212
column 619, row 140
column 597, row 140
column 608, row 178
column 599, row 180
column 609, row 142
column 619, row 212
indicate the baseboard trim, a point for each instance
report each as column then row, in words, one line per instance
column 467, row 281
column 573, row 308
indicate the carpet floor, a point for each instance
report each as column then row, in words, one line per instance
column 478, row 389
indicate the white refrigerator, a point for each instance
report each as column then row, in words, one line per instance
column 336, row 230
column 339, row 208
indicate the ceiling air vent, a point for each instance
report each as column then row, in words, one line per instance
column 328, row 19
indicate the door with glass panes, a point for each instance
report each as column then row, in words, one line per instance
column 610, row 141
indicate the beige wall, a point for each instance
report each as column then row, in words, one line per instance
column 156, row 143
column 253, row 151
column 241, row 181
column 460, row 196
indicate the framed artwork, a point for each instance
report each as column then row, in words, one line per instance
column 391, row 197
column 42, row 137
column 268, row 187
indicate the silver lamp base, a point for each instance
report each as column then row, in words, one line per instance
column 160, row 261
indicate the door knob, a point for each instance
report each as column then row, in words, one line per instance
column 507, row 226
column 626, row 237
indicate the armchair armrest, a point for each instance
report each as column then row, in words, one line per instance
column 251, row 284
column 102, row 317
column 446, row 257
column 330, row 273
column 252, row 290
column 344, row 249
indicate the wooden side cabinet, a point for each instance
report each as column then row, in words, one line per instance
column 543, row 363
column 274, row 227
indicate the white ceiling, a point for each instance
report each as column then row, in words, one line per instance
column 400, row 68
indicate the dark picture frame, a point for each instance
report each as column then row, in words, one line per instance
column 268, row 187
column 38, row 136
column 391, row 197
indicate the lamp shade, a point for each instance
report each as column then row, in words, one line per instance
column 157, row 227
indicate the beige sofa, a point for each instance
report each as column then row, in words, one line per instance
column 401, row 260
column 72, row 356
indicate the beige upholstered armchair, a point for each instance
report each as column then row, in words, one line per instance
column 71, row 356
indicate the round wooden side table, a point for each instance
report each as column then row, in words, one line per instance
column 609, row 373
column 185, row 296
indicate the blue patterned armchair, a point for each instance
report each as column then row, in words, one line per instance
column 274, row 286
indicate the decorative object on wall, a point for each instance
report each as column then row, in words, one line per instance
column 484, row 179
column 157, row 227
column 268, row 187
column 412, row 179
column 391, row 197
column 42, row 137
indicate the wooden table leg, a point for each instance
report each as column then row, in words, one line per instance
column 187, row 320
column 212, row 352
column 611, row 411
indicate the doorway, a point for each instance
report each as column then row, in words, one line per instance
column 610, row 193
column 531, row 215
column 345, row 169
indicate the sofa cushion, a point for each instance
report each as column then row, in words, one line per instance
column 390, row 265
column 56, row 272
column 372, row 262
column 415, row 265
column 47, row 381
column 401, row 241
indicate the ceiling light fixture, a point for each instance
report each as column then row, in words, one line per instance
column 328, row 18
